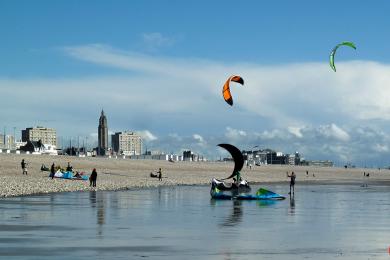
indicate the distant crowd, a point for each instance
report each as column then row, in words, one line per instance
column 59, row 171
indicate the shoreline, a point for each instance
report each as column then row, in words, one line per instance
column 125, row 174
column 302, row 183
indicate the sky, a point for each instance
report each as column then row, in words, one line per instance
column 157, row 68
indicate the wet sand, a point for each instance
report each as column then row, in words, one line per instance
column 119, row 174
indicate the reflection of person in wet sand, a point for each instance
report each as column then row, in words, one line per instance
column 236, row 215
column 292, row 205
column 292, row 202
column 97, row 201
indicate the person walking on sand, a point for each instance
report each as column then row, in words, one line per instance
column 24, row 167
column 92, row 178
column 159, row 174
column 52, row 171
column 292, row 182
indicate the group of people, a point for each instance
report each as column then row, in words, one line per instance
column 93, row 177
column 69, row 168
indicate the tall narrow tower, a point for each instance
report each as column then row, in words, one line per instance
column 102, row 135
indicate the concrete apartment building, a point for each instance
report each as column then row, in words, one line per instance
column 8, row 142
column 126, row 143
column 46, row 135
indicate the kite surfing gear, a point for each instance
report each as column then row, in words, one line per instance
column 332, row 54
column 238, row 159
column 226, row 88
column 261, row 194
column 238, row 185
column 69, row 176
column 241, row 186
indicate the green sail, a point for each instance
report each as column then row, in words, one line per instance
column 333, row 52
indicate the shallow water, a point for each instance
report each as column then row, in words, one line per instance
column 322, row 222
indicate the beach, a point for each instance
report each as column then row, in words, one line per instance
column 120, row 174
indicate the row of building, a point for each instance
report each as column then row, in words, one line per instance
column 268, row 156
column 126, row 143
column 43, row 139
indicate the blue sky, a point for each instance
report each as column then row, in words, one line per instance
column 157, row 67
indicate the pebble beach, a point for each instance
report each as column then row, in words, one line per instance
column 120, row 174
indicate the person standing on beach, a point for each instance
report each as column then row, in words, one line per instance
column 52, row 171
column 159, row 174
column 292, row 182
column 69, row 168
column 92, row 178
column 24, row 168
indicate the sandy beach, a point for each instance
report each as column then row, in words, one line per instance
column 118, row 174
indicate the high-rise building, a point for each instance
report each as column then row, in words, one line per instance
column 102, row 135
column 127, row 143
column 46, row 135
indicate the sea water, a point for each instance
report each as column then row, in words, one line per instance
column 320, row 222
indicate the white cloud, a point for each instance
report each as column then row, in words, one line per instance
column 295, row 131
column 147, row 135
column 272, row 134
column 333, row 131
column 292, row 93
column 234, row 134
column 168, row 95
column 198, row 138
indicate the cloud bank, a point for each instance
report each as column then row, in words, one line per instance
column 303, row 106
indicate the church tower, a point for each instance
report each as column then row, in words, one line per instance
column 102, row 135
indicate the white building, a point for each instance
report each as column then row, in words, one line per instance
column 44, row 134
column 126, row 143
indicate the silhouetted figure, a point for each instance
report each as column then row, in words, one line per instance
column 364, row 174
column 52, row 171
column 24, row 167
column 292, row 182
column 92, row 178
column 77, row 175
column 69, row 168
column 307, row 173
column 159, row 174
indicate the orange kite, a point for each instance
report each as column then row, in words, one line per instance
column 226, row 88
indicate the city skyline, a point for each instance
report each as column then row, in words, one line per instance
column 162, row 77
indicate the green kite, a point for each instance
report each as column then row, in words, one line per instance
column 331, row 56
